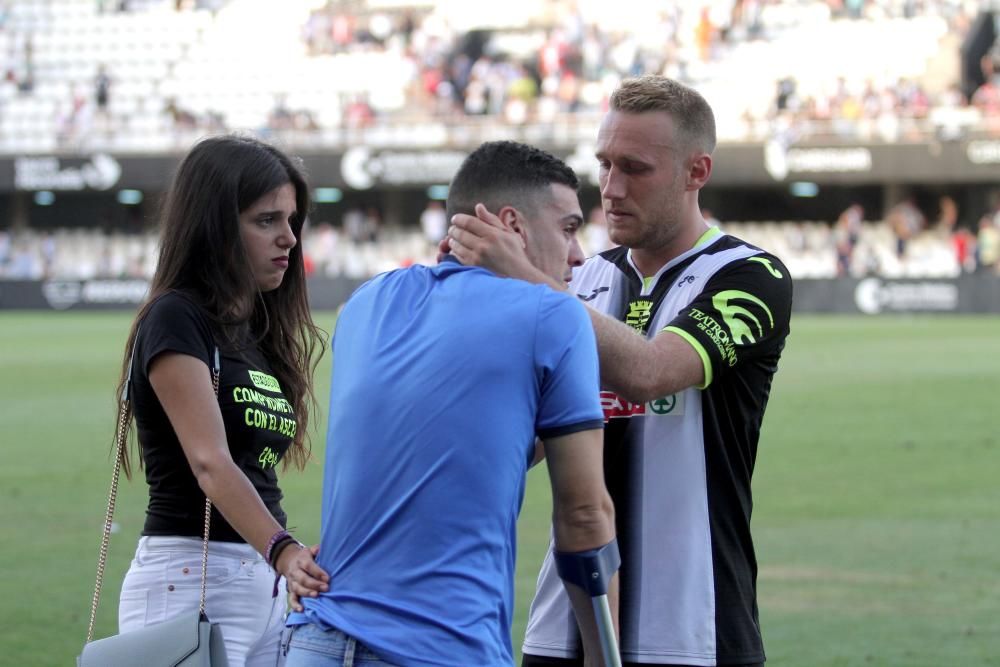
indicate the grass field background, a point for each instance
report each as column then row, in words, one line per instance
column 877, row 516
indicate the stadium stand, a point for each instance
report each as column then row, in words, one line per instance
column 321, row 73
column 808, row 247
column 151, row 76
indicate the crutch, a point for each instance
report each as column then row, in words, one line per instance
column 591, row 570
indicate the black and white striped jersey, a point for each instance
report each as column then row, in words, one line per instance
column 678, row 467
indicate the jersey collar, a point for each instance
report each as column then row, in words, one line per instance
column 649, row 282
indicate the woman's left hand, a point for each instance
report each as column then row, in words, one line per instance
column 303, row 576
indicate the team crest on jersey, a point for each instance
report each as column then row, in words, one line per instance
column 616, row 407
column 638, row 314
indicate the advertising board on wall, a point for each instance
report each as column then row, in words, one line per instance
column 363, row 168
column 868, row 296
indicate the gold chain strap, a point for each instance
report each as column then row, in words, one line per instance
column 208, row 504
column 112, row 497
column 102, row 557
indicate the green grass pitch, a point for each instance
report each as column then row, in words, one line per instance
column 877, row 516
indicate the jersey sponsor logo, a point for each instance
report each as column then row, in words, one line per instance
column 616, row 407
column 742, row 323
column 593, row 295
column 716, row 333
column 264, row 381
column 686, row 280
column 663, row 406
column 638, row 314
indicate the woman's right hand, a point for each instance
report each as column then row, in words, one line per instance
column 303, row 576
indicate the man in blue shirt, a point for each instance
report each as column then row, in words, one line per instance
column 690, row 323
column 443, row 378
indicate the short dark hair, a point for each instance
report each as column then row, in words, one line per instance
column 506, row 173
column 691, row 114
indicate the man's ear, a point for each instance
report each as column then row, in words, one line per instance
column 699, row 171
column 514, row 221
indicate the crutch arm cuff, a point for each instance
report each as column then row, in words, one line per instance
column 590, row 570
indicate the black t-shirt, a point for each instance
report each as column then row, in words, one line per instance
column 260, row 424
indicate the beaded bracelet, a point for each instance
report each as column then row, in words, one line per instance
column 274, row 551
column 278, row 548
column 277, row 537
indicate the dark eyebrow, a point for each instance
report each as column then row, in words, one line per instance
column 625, row 158
column 573, row 217
column 274, row 214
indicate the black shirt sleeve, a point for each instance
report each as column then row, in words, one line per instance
column 741, row 316
column 173, row 324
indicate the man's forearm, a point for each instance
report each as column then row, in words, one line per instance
column 630, row 366
column 640, row 369
column 583, row 527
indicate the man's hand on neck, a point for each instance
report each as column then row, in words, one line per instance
column 483, row 240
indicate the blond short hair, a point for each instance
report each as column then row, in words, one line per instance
column 690, row 112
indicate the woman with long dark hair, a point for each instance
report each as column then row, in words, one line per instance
column 230, row 278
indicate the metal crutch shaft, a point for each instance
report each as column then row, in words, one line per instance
column 606, row 630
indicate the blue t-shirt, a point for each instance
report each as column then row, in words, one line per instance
column 442, row 378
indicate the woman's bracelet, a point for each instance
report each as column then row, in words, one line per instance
column 278, row 548
column 269, row 551
column 275, row 546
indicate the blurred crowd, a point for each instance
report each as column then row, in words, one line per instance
column 765, row 65
column 154, row 74
column 533, row 74
column 904, row 244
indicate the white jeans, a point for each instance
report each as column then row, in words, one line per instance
column 165, row 580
